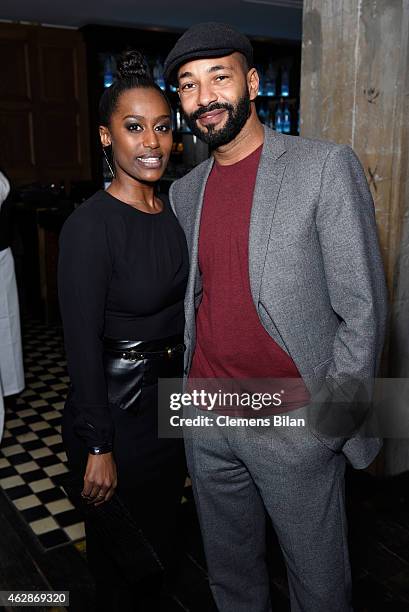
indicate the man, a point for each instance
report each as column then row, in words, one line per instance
column 286, row 282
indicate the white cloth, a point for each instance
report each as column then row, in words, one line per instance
column 4, row 191
column 11, row 354
column 4, row 188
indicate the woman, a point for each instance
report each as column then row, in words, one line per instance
column 122, row 275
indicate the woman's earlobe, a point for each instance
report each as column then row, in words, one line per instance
column 105, row 140
column 104, row 136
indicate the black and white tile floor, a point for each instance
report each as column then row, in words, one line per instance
column 32, row 457
column 39, row 551
column 44, row 544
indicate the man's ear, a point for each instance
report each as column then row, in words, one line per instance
column 105, row 136
column 253, row 82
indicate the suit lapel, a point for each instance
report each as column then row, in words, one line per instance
column 269, row 176
column 196, row 195
column 268, row 181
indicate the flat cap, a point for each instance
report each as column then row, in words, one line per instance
column 202, row 40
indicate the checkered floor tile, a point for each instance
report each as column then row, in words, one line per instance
column 32, row 457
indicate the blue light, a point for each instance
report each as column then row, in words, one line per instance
column 108, row 79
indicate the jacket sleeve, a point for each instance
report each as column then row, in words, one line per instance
column 353, row 266
column 356, row 284
column 84, row 271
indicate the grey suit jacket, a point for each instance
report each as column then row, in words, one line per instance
column 316, row 273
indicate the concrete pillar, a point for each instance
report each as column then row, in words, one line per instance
column 355, row 90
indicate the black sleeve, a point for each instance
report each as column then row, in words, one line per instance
column 84, row 271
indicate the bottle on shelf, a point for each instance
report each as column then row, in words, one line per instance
column 286, row 120
column 183, row 125
column 270, row 80
column 285, row 82
column 278, row 118
column 260, row 72
column 271, row 117
column 158, row 75
column 109, row 70
column 264, row 114
column 177, row 119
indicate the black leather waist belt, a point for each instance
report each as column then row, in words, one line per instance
column 134, row 350
column 133, row 366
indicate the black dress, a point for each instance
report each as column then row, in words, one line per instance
column 122, row 274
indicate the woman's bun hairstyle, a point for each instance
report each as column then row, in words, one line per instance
column 132, row 65
column 132, row 73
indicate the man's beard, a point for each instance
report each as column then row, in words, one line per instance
column 236, row 119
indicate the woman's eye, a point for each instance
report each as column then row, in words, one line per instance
column 134, row 127
column 163, row 128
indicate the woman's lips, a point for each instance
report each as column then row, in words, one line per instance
column 150, row 162
column 212, row 117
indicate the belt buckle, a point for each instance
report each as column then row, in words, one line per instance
column 132, row 355
column 174, row 350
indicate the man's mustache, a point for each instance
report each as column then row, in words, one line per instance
column 215, row 106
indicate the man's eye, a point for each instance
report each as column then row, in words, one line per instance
column 186, row 86
column 221, row 77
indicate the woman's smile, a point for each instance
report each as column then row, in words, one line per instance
column 150, row 161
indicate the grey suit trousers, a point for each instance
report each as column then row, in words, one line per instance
column 238, row 473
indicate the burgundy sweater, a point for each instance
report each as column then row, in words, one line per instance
column 231, row 341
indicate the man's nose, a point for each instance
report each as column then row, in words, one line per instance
column 206, row 96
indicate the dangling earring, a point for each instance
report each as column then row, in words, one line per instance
column 107, row 161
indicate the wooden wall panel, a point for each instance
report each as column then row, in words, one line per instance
column 43, row 108
column 16, row 129
column 354, row 88
column 14, row 70
column 17, row 155
column 57, row 74
column 60, row 144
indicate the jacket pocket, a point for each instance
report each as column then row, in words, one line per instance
column 323, row 366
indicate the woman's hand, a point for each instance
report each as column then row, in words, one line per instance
column 100, row 478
